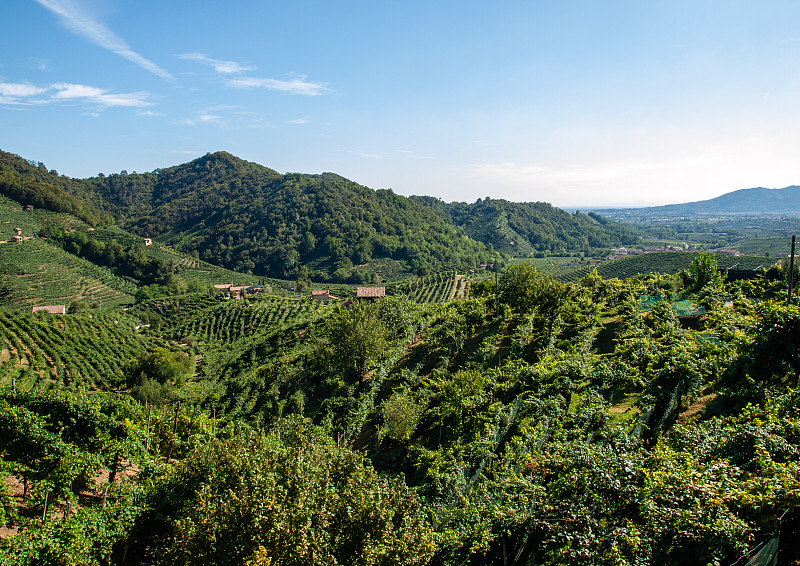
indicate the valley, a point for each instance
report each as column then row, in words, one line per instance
column 480, row 384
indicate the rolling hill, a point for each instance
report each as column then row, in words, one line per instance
column 249, row 218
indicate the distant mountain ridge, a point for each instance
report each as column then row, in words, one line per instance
column 246, row 217
column 758, row 200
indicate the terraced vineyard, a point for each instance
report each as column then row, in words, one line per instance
column 75, row 350
column 665, row 262
column 232, row 320
column 12, row 215
column 34, row 272
column 437, row 288
column 186, row 266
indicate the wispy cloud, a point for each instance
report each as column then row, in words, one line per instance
column 74, row 18
column 67, row 91
column 24, row 93
column 16, row 92
column 304, row 120
column 368, row 155
column 38, row 64
column 515, row 173
column 293, row 85
column 223, row 67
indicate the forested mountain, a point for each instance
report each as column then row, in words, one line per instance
column 32, row 183
column 753, row 202
column 244, row 216
column 521, row 228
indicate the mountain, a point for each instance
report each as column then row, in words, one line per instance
column 521, row 228
column 247, row 217
column 756, row 201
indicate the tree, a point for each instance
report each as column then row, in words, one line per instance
column 290, row 496
column 154, row 374
column 701, row 273
column 524, row 289
column 353, row 340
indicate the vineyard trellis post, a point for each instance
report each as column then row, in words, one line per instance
column 791, row 270
column 46, row 497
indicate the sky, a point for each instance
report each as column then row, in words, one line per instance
column 575, row 103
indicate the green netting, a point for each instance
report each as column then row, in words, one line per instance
column 767, row 555
column 681, row 305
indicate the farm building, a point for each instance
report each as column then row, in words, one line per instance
column 254, row 289
column 148, row 241
column 323, row 295
column 370, row 292
column 52, row 309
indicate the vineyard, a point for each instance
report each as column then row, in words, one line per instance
column 73, row 350
column 13, row 216
column 36, row 273
column 663, row 262
column 236, row 319
column 438, row 288
column 185, row 266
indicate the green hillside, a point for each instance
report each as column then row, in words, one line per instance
column 248, row 218
column 521, row 228
column 548, row 421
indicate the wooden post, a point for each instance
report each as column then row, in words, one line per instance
column 174, row 431
column 791, row 271
column 147, row 438
column 46, row 496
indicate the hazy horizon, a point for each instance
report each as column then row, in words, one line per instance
column 624, row 104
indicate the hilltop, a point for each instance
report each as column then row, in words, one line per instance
column 243, row 216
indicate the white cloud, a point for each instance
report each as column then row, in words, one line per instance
column 294, row 85
column 77, row 21
column 24, row 93
column 517, row 174
column 68, row 91
column 223, row 67
column 10, row 92
column 304, row 120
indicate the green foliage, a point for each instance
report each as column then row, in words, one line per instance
column 775, row 348
column 353, row 339
column 522, row 228
column 703, row 272
column 524, row 289
column 290, row 496
column 401, row 416
column 30, row 183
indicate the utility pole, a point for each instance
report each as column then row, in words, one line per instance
column 791, row 271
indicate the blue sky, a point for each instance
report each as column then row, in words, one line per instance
column 576, row 103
